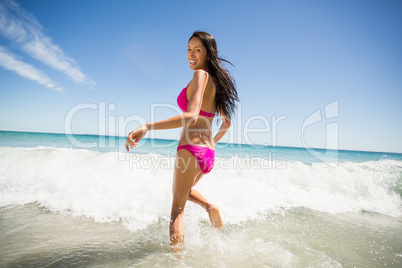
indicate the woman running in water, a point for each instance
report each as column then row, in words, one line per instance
column 212, row 90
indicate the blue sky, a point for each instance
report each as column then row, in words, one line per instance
column 309, row 73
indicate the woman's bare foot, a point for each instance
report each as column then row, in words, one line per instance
column 215, row 217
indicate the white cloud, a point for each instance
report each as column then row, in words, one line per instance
column 24, row 30
column 9, row 62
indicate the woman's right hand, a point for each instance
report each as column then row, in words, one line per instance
column 135, row 136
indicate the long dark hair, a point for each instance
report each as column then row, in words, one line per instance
column 226, row 93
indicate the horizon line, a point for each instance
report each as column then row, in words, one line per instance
column 266, row 145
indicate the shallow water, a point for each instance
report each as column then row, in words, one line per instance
column 72, row 207
column 35, row 237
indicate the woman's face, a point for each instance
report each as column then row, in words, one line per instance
column 197, row 54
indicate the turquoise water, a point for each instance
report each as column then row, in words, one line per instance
column 63, row 205
column 168, row 147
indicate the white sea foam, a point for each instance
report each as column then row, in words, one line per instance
column 136, row 189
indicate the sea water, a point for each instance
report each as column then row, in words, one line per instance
column 82, row 201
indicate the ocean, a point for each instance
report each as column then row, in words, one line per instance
column 82, row 201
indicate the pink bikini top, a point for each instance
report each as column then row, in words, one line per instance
column 182, row 101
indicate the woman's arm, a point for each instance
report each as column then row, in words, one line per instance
column 199, row 82
column 200, row 79
column 223, row 129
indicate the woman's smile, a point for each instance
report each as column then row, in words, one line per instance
column 197, row 54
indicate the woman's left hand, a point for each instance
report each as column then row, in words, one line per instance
column 136, row 135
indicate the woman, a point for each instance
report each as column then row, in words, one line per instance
column 211, row 90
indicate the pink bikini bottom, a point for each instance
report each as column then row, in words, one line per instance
column 204, row 156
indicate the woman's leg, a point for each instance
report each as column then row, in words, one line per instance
column 213, row 211
column 185, row 173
